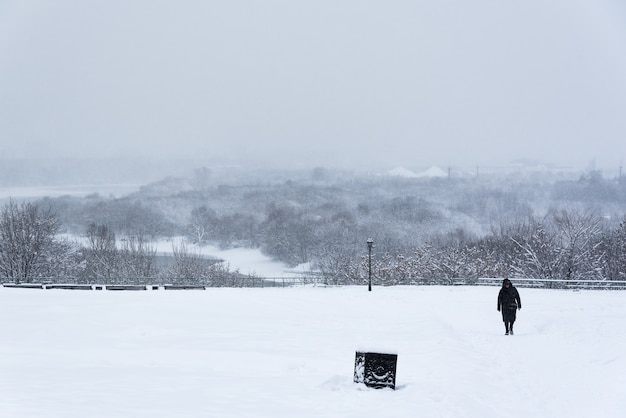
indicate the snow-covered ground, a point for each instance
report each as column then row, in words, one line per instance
column 289, row 352
column 249, row 261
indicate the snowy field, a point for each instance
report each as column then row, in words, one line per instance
column 289, row 352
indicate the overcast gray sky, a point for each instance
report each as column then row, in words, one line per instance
column 413, row 82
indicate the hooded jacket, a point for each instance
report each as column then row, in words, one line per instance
column 508, row 298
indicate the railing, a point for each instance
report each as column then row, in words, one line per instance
column 273, row 282
column 147, row 284
column 557, row 284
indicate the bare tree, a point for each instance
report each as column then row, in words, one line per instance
column 192, row 268
column 336, row 264
column 27, row 241
column 580, row 236
column 613, row 249
column 102, row 256
column 419, row 264
column 451, row 263
column 138, row 258
column 539, row 257
column 188, row 267
column 202, row 224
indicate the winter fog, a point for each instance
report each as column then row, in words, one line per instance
column 196, row 195
column 317, row 83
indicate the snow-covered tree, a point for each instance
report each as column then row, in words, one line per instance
column 192, row 268
column 539, row 256
column 101, row 255
column 613, row 248
column 579, row 238
column 27, row 241
column 137, row 258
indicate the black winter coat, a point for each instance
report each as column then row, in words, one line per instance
column 508, row 299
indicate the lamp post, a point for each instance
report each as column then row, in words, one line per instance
column 370, row 242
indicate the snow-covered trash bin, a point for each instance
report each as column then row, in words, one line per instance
column 375, row 370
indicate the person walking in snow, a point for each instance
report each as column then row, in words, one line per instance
column 508, row 303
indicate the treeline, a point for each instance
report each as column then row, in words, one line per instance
column 561, row 246
column 31, row 250
column 539, row 226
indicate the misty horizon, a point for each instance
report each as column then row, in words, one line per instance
column 353, row 84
